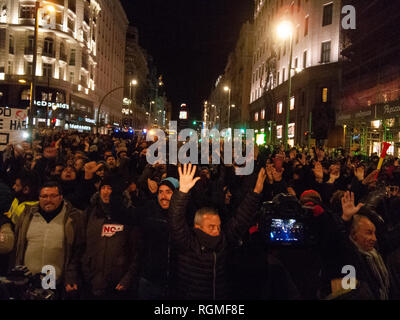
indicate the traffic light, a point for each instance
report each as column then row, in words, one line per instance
column 194, row 122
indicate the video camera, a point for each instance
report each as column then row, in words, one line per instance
column 284, row 222
column 20, row 284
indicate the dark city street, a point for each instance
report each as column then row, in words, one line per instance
column 199, row 158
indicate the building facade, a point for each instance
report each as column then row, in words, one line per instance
column 237, row 77
column 80, row 58
column 136, row 68
column 315, row 70
column 370, row 108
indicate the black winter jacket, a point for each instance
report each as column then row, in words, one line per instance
column 110, row 258
column 201, row 269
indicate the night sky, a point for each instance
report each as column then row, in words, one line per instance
column 190, row 41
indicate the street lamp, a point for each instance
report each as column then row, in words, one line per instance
column 227, row 89
column 149, row 113
column 34, row 61
column 133, row 83
column 285, row 31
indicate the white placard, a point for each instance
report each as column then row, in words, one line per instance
column 13, row 126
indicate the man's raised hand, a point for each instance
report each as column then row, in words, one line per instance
column 348, row 207
column 260, row 181
column 186, row 174
column 90, row 169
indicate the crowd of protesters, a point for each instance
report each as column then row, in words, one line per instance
column 116, row 227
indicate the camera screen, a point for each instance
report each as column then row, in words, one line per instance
column 286, row 231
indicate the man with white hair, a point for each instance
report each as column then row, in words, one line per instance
column 353, row 245
column 362, row 235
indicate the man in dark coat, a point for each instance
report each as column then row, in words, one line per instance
column 202, row 253
column 156, row 252
column 110, row 261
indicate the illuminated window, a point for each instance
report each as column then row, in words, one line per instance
column 183, row 115
column 263, row 114
column 279, row 132
column 390, row 122
column 256, row 116
column 376, row 124
column 26, row 94
column 292, row 101
column 291, row 130
column 279, row 107
column 325, row 95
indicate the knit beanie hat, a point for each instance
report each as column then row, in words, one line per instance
column 170, row 182
column 310, row 196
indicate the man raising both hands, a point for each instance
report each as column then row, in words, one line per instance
column 202, row 252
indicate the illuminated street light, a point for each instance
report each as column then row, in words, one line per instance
column 149, row 113
column 227, row 89
column 50, row 9
column 22, row 81
column 285, row 31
